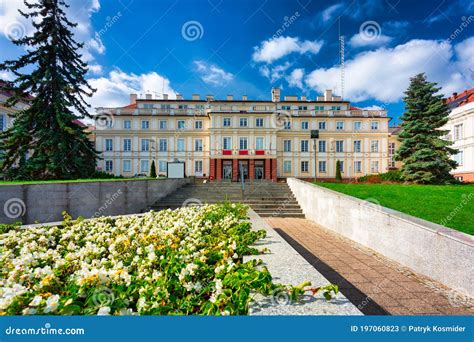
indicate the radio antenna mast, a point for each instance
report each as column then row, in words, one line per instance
column 341, row 52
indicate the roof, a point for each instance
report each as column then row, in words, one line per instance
column 460, row 99
column 394, row 130
column 4, row 85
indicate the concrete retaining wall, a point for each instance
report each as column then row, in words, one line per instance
column 438, row 252
column 29, row 203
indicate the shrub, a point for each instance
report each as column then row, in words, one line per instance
column 104, row 175
column 338, row 171
column 390, row 176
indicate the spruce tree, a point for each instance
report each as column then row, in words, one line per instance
column 153, row 169
column 44, row 141
column 425, row 155
column 338, row 171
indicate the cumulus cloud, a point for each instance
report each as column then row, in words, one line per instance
column 383, row 74
column 212, row 74
column 114, row 89
column 361, row 40
column 275, row 48
column 295, row 79
column 274, row 73
column 329, row 12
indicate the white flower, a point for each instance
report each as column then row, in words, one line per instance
column 104, row 311
column 36, row 301
column 52, row 303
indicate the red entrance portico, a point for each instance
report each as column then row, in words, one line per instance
column 233, row 169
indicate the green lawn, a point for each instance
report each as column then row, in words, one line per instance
column 450, row 205
column 72, row 180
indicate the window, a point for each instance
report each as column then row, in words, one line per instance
column 145, row 124
column 302, row 107
column 304, row 125
column 182, row 106
column 109, row 146
column 459, row 158
column 227, row 143
column 127, row 166
column 243, row 122
column 287, row 125
column 198, row 166
column 148, row 105
column 304, row 146
column 391, row 154
column 259, row 143
column 127, row 124
column 339, row 125
column 319, row 108
column 180, row 145
column 198, row 145
column 145, row 145
column 322, row 125
column 243, row 143
column 341, row 166
column 226, row 122
column 458, row 132
column 286, row 145
column 127, row 145
column 339, row 145
column 109, row 165
column 285, row 107
column 357, row 166
column 322, row 145
column 108, row 123
column 162, row 166
column 144, row 166
column 322, row 166
column 336, row 107
column 374, row 125
column 181, row 124
column 198, row 124
column 259, row 122
column 163, row 145
column 374, row 146
column 357, row 125
column 304, row 166
column 287, row 166
column 374, row 166
column 163, row 124
column 357, row 145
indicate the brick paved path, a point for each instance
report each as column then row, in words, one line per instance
column 375, row 284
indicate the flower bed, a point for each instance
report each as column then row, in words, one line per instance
column 186, row 261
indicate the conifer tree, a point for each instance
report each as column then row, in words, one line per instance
column 45, row 141
column 423, row 151
column 338, row 171
column 153, row 169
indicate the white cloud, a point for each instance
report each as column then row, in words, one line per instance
column 6, row 76
column 295, row 79
column 212, row 74
column 95, row 69
column 80, row 12
column 328, row 13
column 384, row 74
column 115, row 89
column 361, row 40
column 275, row 48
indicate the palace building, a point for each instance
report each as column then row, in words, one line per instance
column 229, row 138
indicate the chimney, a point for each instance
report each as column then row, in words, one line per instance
column 275, row 94
column 196, row 97
column 303, row 98
column 328, row 95
column 244, row 98
column 210, row 98
column 230, row 97
column 148, row 96
column 179, row 97
column 133, row 98
column 165, row 96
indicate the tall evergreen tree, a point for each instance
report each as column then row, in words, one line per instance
column 153, row 169
column 45, row 141
column 425, row 155
column 338, row 171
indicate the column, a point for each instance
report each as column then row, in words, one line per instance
column 274, row 170
column 235, row 167
column 218, row 169
column 212, row 174
column 251, row 168
column 268, row 168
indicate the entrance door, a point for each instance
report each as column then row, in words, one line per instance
column 243, row 169
column 227, row 169
column 259, row 169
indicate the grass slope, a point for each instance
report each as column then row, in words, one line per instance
column 450, row 205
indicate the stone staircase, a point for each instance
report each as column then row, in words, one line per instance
column 268, row 199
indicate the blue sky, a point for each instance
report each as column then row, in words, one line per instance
column 225, row 47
